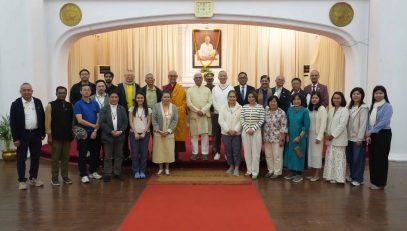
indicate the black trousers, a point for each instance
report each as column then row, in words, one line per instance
column 216, row 134
column 83, row 147
column 379, row 149
column 30, row 140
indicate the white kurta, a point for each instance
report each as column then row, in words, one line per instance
column 199, row 99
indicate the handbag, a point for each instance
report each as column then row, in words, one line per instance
column 298, row 152
column 79, row 132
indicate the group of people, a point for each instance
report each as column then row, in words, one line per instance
column 290, row 126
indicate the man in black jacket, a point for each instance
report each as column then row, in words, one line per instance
column 110, row 87
column 243, row 89
column 27, row 128
column 282, row 93
column 75, row 93
column 58, row 125
column 152, row 93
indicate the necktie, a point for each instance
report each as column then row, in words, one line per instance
column 242, row 93
column 313, row 88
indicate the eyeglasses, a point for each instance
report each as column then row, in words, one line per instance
column 314, row 75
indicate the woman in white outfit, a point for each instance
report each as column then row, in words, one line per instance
column 318, row 118
column 337, row 135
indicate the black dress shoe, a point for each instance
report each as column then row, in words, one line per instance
column 118, row 177
column 107, row 178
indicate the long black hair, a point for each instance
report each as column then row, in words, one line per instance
column 311, row 106
column 379, row 88
column 145, row 108
column 362, row 93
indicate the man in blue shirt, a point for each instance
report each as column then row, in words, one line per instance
column 87, row 114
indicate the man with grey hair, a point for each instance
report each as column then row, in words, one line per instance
column 152, row 93
column 283, row 94
column 27, row 123
column 219, row 98
column 199, row 101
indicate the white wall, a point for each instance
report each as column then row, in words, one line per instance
column 387, row 64
column 35, row 44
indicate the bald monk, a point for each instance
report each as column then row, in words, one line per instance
column 179, row 98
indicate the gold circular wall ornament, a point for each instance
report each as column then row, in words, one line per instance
column 341, row 14
column 70, row 14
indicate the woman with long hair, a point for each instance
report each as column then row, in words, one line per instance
column 356, row 150
column 378, row 137
column 318, row 118
column 140, row 121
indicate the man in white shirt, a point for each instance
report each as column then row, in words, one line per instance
column 199, row 102
column 27, row 123
column 282, row 93
column 219, row 99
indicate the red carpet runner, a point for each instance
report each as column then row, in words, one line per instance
column 199, row 207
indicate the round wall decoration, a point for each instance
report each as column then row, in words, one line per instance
column 70, row 14
column 341, row 14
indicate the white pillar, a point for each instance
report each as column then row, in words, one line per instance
column 387, row 65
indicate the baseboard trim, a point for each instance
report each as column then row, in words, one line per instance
column 398, row 157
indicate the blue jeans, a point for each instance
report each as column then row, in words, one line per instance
column 139, row 152
column 355, row 156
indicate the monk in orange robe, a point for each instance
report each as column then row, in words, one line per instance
column 178, row 97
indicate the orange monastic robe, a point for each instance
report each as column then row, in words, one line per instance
column 179, row 98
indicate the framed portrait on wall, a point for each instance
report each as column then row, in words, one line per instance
column 206, row 48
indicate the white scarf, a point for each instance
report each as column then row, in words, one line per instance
column 373, row 114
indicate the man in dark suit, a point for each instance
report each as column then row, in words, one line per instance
column 243, row 89
column 127, row 91
column 27, row 123
column 75, row 92
column 296, row 89
column 152, row 93
column 113, row 122
column 264, row 92
column 316, row 86
column 282, row 93
column 110, row 87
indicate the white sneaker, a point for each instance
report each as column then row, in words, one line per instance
column 85, row 179
column 217, row 156
column 22, row 186
column 348, row 179
column 355, row 183
column 95, row 176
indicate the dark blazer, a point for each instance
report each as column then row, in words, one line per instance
column 285, row 98
column 75, row 93
column 158, row 92
column 17, row 118
column 106, row 123
column 323, row 89
column 243, row 100
column 122, row 94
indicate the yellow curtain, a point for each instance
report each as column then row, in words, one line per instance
column 329, row 60
column 255, row 50
column 146, row 49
